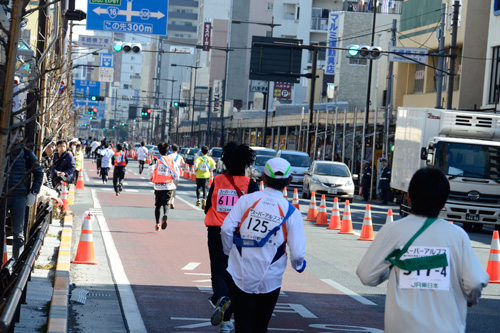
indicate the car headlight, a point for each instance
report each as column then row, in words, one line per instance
column 349, row 183
column 315, row 179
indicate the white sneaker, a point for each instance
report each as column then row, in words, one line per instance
column 226, row 327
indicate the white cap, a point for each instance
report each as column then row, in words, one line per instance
column 275, row 165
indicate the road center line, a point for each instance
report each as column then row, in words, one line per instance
column 348, row 292
column 127, row 297
column 190, row 266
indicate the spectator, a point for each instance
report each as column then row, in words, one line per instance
column 444, row 277
column 21, row 192
column 63, row 166
column 46, row 162
column 384, row 181
column 78, row 162
column 366, row 179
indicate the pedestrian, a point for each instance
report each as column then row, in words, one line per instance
column 384, row 181
column 225, row 191
column 25, row 176
column 93, row 149
column 78, row 162
column 180, row 163
column 254, row 235
column 46, row 161
column 142, row 153
column 366, row 180
column 432, row 294
column 120, row 161
column 203, row 165
column 163, row 173
column 63, row 167
column 106, row 154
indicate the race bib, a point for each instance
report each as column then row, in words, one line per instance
column 120, row 159
column 162, row 169
column 436, row 278
column 258, row 224
column 204, row 166
column 226, row 199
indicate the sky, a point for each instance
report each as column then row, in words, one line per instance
column 81, row 30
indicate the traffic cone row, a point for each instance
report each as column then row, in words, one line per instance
column 85, row 251
column 193, row 173
column 346, row 226
column 79, row 183
column 295, row 200
column 312, row 213
column 389, row 218
column 64, row 196
column 285, row 194
column 261, row 186
column 322, row 218
column 367, row 228
column 335, row 217
column 493, row 267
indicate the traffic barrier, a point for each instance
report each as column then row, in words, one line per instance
column 389, row 218
column 64, row 196
column 85, row 251
column 211, row 180
column 322, row 218
column 295, row 200
column 335, row 217
column 312, row 213
column 285, row 194
column 367, row 228
column 261, row 186
column 493, row 267
column 346, row 226
column 79, row 183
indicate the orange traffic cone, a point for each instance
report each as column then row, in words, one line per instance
column 367, row 228
column 335, row 217
column 295, row 200
column 493, row 267
column 322, row 218
column 346, row 227
column 389, row 218
column 85, row 251
column 211, row 180
column 261, row 186
column 79, row 183
column 312, row 213
column 193, row 173
column 64, row 196
column 148, row 159
column 186, row 171
column 285, row 194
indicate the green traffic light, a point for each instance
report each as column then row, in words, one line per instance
column 117, row 47
column 93, row 98
column 135, row 120
column 113, row 127
column 176, row 104
column 392, row 147
column 353, row 51
column 123, row 124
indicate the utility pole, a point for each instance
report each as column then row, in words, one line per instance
column 453, row 49
column 311, row 96
column 439, row 74
column 209, row 118
column 388, row 97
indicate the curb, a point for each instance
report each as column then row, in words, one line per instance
column 58, row 315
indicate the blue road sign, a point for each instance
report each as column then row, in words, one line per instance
column 107, row 60
column 129, row 16
column 83, row 90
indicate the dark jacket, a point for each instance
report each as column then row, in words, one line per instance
column 385, row 178
column 366, row 177
column 64, row 163
column 21, row 163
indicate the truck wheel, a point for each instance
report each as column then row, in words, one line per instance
column 477, row 227
column 497, row 227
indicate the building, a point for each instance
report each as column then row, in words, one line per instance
column 491, row 91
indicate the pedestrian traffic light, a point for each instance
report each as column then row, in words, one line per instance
column 364, row 51
column 127, row 47
column 96, row 98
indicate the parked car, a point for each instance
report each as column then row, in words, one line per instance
column 150, row 148
column 183, row 152
column 190, row 155
column 216, row 153
column 299, row 162
column 264, row 151
column 258, row 166
column 328, row 178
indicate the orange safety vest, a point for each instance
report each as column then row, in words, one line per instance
column 163, row 171
column 224, row 197
column 120, row 159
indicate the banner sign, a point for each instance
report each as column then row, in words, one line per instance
column 282, row 90
column 333, row 33
column 207, row 28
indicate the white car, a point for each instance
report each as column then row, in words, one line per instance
column 299, row 162
column 328, row 178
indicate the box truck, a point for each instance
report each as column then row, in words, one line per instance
column 465, row 145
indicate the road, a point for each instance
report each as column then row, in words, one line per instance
column 169, row 271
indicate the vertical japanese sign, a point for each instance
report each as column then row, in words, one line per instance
column 333, row 33
column 282, row 90
column 207, row 28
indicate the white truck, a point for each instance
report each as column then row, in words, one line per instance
column 465, row 145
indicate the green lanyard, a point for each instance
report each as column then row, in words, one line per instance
column 415, row 264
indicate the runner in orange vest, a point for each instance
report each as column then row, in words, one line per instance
column 225, row 191
column 180, row 162
column 163, row 173
column 120, row 161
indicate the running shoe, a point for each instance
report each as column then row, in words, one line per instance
column 120, row 187
column 221, row 307
column 117, row 193
column 203, row 203
column 198, row 203
column 164, row 222
column 157, row 227
column 226, row 327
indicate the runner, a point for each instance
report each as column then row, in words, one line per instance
column 255, row 235
column 106, row 154
column 180, row 163
column 163, row 173
column 120, row 161
column 224, row 193
column 203, row 164
column 93, row 149
column 142, row 152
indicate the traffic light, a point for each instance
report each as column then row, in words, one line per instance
column 146, row 113
column 364, row 51
column 127, row 47
column 216, row 103
column 90, row 111
column 180, row 104
column 96, row 98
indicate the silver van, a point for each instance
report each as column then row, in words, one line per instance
column 299, row 162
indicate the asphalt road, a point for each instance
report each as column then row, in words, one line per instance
column 170, row 275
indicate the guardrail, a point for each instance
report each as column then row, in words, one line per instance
column 15, row 275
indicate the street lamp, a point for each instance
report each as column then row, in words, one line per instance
column 266, row 96
column 191, row 90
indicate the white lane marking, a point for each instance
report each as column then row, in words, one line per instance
column 85, row 177
column 129, row 303
column 294, row 308
column 190, row 266
column 202, row 281
column 348, row 292
column 131, row 190
column 346, row 328
column 204, row 274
